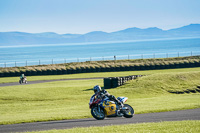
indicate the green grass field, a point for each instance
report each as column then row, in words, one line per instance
column 69, row 99
column 99, row 74
column 159, row 127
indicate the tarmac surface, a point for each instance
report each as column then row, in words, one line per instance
column 44, row 81
column 192, row 114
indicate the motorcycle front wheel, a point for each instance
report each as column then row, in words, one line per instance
column 129, row 112
column 97, row 114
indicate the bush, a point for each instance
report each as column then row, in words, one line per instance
column 162, row 65
column 64, row 71
column 88, row 69
column 196, row 62
column 182, row 64
column 72, row 70
column 103, row 66
column 167, row 65
column 12, row 73
column 33, row 72
column 92, row 69
column 186, row 63
column 137, row 67
column 54, row 71
column 131, row 67
column 78, row 70
column 1, row 74
column 97, row 68
column 28, row 73
column 6, row 74
column 59, row 71
column 126, row 68
column 171, row 65
column 83, row 69
column 23, row 71
column 49, row 72
column 145, row 66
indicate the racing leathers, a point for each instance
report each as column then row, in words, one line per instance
column 103, row 94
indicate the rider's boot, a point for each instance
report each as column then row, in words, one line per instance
column 119, row 111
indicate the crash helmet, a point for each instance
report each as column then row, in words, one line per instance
column 97, row 89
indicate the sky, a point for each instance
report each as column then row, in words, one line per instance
column 83, row 16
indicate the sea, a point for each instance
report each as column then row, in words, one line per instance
column 11, row 56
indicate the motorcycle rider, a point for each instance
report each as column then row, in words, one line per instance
column 101, row 94
column 22, row 77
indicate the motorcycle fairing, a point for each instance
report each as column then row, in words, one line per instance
column 109, row 107
column 122, row 99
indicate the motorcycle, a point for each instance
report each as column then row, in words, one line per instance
column 24, row 80
column 101, row 108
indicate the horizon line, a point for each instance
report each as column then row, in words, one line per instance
column 97, row 30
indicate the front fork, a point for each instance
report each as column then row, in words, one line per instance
column 98, row 108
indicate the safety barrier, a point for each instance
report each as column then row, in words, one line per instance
column 113, row 82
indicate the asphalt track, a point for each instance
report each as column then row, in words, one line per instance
column 44, row 81
column 192, row 114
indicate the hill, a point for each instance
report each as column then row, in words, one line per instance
column 22, row 38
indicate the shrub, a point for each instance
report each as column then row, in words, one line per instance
column 33, row 72
column 54, row 71
column 1, row 74
column 92, row 69
column 64, row 71
column 23, row 71
column 97, row 68
column 59, row 71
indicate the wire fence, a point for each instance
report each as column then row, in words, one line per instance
column 102, row 58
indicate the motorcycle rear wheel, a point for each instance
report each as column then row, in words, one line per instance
column 129, row 112
column 96, row 114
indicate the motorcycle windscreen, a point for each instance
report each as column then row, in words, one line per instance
column 122, row 99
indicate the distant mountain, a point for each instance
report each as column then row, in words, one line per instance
column 22, row 38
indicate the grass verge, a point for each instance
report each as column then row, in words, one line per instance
column 69, row 99
column 159, row 127
column 99, row 74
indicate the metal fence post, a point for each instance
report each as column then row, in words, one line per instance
column 114, row 57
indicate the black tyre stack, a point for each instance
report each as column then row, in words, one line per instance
column 113, row 82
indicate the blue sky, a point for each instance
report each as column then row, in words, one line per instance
column 83, row 16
